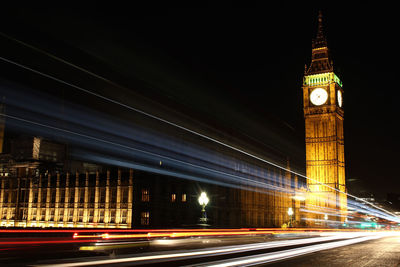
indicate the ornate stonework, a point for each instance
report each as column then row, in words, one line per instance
column 324, row 115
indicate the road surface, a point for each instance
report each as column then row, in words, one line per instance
column 381, row 252
column 320, row 248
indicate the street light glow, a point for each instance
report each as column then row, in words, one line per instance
column 290, row 212
column 203, row 199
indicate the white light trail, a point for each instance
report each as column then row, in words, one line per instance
column 290, row 253
column 164, row 120
column 224, row 174
column 172, row 255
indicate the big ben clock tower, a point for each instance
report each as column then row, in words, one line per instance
column 324, row 114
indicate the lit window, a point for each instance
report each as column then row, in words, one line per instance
column 101, row 218
column 123, row 219
column 183, row 197
column 71, row 215
column 145, row 218
column 145, row 195
column 112, row 215
column 173, row 197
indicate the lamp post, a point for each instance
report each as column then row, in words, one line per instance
column 203, row 201
column 290, row 213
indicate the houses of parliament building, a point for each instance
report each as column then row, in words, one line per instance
column 36, row 191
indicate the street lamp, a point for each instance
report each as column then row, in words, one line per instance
column 203, row 201
column 290, row 213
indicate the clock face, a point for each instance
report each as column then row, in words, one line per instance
column 339, row 98
column 319, row 96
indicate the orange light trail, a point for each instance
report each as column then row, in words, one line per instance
column 40, row 242
column 213, row 232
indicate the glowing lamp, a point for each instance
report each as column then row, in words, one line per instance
column 203, row 199
column 290, row 211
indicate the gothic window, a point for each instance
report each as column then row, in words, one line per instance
column 112, row 215
column 72, row 195
column 145, row 218
column 62, row 195
column 145, row 195
column 53, row 196
column 101, row 218
column 91, row 195
column 60, row 214
column 44, row 195
column 123, row 217
column 81, row 215
column 91, row 214
column 71, row 215
column 113, row 195
column 102, row 195
column 81, row 196
column 124, row 193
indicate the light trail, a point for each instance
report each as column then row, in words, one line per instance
column 193, row 233
column 127, row 137
column 212, row 252
column 240, row 179
column 45, row 242
column 219, row 174
column 166, row 121
column 394, row 217
column 290, row 253
column 249, row 230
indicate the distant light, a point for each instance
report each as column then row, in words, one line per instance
column 290, row 211
column 300, row 198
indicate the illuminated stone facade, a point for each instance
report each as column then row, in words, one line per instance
column 270, row 207
column 324, row 115
column 38, row 190
column 78, row 200
column 125, row 198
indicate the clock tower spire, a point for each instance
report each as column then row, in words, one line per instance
column 324, row 116
column 320, row 57
column 320, row 41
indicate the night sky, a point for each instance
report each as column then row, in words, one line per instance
column 243, row 68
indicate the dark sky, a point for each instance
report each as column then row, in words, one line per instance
column 245, row 66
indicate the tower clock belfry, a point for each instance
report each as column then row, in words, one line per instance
column 324, row 115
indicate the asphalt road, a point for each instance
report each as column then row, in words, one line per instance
column 303, row 249
column 380, row 252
